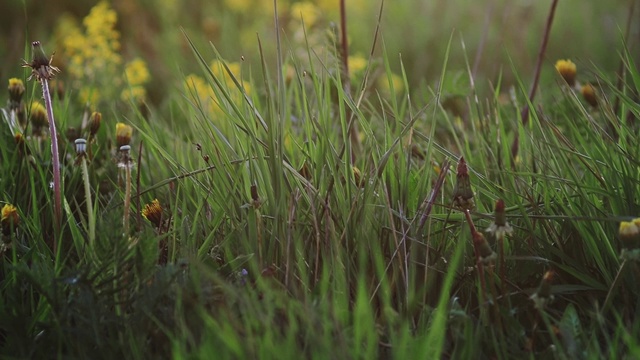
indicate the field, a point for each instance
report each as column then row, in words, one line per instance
column 320, row 179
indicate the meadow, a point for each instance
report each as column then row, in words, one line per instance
column 321, row 179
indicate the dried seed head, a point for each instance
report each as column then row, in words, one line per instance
column 255, row 198
column 462, row 192
column 500, row 227
column 153, row 213
column 568, row 70
column 40, row 66
column 254, row 192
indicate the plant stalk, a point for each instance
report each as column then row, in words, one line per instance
column 55, row 157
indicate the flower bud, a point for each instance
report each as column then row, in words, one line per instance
column 462, row 192
column 123, row 134
column 568, row 70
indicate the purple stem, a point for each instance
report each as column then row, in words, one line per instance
column 55, row 157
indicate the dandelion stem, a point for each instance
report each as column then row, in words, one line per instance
column 89, row 201
column 127, row 200
column 476, row 251
column 55, row 158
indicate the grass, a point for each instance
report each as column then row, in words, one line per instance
column 279, row 236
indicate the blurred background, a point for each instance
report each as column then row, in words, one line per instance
column 493, row 36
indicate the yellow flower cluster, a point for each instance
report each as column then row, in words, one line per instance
column 94, row 60
column 200, row 91
column 137, row 75
column 305, row 11
column 96, row 51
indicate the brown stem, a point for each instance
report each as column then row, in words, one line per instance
column 476, row 252
column 344, row 57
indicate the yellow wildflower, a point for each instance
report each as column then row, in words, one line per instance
column 567, row 70
column 153, row 212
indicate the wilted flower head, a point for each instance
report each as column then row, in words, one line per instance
column 462, row 192
column 500, row 227
column 94, row 123
column 40, row 66
column 484, row 249
column 153, row 213
column 358, row 178
column 10, row 218
column 123, row 134
column 567, row 69
column 589, row 94
column 543, row 295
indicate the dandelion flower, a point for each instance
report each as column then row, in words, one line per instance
column 10, row 218
column 123, row 134
column 629, row 234
column 38, row 118
column 16, row 90
column 153, row 212
column 567, row 69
